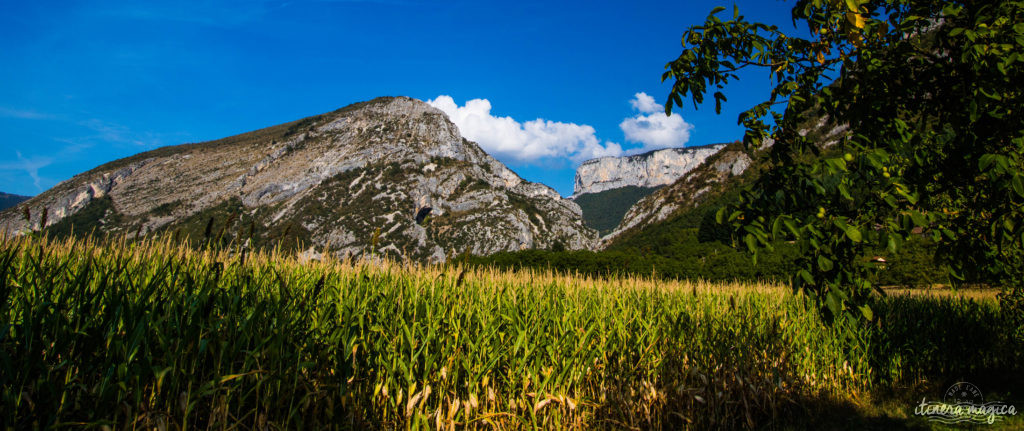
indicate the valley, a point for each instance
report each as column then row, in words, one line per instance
column 512, row 242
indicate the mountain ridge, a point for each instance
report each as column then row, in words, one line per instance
column 686, row 192
column 8, row 200
column 394, row 168
column 651, row 169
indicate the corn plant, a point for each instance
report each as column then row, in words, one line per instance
column 154, row 334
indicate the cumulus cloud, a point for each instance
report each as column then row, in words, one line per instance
column 651, row 128
column 644, row 103
column 533, row 141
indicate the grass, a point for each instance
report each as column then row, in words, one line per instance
column 151, row 334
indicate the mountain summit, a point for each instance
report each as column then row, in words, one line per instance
column 392, row 174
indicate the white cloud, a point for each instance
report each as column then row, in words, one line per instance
column 644, row 103
column 652, row 128
column 529, row 142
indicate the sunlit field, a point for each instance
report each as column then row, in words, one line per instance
column 148, row 334
column 977, row 294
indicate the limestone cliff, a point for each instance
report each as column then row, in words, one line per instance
column 685, row 192
column 396, row 165
column 651, row 169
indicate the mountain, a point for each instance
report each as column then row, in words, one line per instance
column 607, row 187
column 8, row 200
column 687, row 192
column 650, row 169
column 389, row 176
column 716, row 175
column 602, row 211
column 672, row 232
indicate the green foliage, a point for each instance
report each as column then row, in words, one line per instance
column 912, row 265
column 469, row 184
column 711, row 230
column 602, row 211
column 91, row 219
column 691, row 245
column 931, row 91
column 167, row 208
column 677, row 255
column 216, row 226
column 917, row 332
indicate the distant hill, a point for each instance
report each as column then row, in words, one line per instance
column 8, row 200
column 604, row 210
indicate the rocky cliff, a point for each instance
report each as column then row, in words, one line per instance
column 394, row 169
column 686, row 192
column 651, row 169
column 716, row 174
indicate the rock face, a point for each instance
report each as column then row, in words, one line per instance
column 725, row 170
column 392, row 168
column 651, row 169
column 685, row 192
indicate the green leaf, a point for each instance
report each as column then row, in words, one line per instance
column 950, row 235
column 1018, row 185
column 717, row 9
column 843, row 191
column 720, row 216
column 806, row 276
column 994, row 96
column 866, row 311
column 985, row 161
column 824, row 263
column 792, row 227
column 836, row 163
column 833, row 303
column 751, row 242
column 853, row 233
column 918, row 218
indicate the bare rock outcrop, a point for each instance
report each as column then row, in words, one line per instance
column 332, row 182
column 730, row 161
column 651, row 169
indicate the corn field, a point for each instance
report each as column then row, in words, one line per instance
column 156, row 335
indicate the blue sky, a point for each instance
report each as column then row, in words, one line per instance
column 542, row 85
